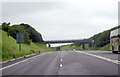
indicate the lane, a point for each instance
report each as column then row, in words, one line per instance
column 47, row 64
column 75, row 63
column 64, row 63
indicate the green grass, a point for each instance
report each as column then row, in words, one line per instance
column 53, row 49
column 10, row 49
column 0, row 45
column 106, row 47
column 70, row 47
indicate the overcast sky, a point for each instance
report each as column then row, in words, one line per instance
column 63, row 19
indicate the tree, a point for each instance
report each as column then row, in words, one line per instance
column 5, row 26
column 13, row 30
column 33, row 34
column 103, row 38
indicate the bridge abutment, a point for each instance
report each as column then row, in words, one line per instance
column 48, row 45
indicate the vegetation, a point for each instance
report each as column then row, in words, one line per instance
column 13, row 30
column 5, row 26
column 33, row 34
column 10, row 49
column 103, row 38
column 30, row 33
column 34, row 42
column 101, row 42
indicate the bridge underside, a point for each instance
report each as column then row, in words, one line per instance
column 83, row 42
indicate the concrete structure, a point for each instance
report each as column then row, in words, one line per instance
column 67, row 41
column 82, row 41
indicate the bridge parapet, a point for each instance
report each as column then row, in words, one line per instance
column 67, row 41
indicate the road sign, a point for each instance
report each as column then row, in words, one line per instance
column 92, row 42
column 20, row 38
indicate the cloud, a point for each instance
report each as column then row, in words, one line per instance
column 69, row 19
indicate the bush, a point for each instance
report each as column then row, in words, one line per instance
column 30, row 33
column 33, row 34
column 102, row 38
column 13, row 30
column 5, row 26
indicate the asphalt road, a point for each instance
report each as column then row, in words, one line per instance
column 66, row 63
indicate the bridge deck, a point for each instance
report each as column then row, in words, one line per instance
column 67, row 41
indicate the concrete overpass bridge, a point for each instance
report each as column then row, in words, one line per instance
column 82, row 41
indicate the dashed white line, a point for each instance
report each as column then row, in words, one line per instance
column 61, row 59
column 61, row 65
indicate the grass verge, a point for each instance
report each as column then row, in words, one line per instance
column 10, row 49
column 72, row 47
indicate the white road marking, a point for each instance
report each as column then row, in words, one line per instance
column 61, row 54
column 61, row 65
column 107, row 59
column 61, row 59
column 21, row 61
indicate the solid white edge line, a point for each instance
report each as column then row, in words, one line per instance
column 107, row 59
column 20, row 62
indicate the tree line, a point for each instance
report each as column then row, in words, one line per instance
column 30, row 34
column 100, row 39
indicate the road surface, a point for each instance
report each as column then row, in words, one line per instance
column 67, row 63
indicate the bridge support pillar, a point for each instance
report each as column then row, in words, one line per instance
column 83, row 46
column 49, row 45
column 90, row 45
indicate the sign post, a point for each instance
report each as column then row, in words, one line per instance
column 20, row 39
column 20, row 47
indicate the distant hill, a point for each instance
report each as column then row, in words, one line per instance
column 31, row 35
column 101, row 41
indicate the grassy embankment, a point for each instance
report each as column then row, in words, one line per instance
column 101, row 42
column 71, row 47
column 10, row 49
